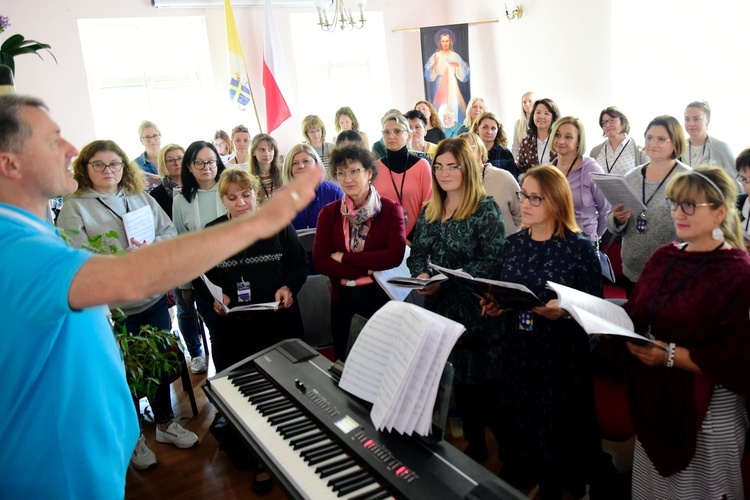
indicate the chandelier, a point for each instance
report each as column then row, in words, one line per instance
column 341, row 15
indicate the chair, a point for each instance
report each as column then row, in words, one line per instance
column 315, row 306
column 187, row 384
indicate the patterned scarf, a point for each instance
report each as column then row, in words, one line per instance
column 169, row 186
column 359, row 219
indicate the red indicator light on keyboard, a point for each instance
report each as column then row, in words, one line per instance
column 369, row 443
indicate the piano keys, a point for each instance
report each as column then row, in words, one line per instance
column 319, row 442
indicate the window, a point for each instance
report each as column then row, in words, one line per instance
column 345, row 68
column 148, row 68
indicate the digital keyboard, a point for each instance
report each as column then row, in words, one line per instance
column 319, row 441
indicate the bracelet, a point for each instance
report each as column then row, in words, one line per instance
column 669, row 360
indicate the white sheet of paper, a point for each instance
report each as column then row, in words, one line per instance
column 382, row 277
column 617, row 190
column 139, row 225
column 218, row 294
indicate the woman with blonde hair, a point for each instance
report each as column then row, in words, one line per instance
column 687, row 397
column 314, row 133
column 265, row 165
column 499, row 183
column 462, row 228
column 299, row 159
column 590, row 204
column 548, row 395
column 475, row 108
column 434, row 128
column 521, row 127
column 702, row 149
column 346, row 120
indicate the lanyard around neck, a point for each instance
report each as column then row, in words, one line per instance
column 645, row 201
column 609, row 169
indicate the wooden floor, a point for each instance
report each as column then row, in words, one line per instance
column 204, row 471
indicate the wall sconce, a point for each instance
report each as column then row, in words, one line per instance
column 341, row 14
column 515, row 13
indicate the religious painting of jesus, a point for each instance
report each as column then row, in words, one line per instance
column 446, row 73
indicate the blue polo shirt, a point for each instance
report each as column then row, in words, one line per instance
column 68, row 423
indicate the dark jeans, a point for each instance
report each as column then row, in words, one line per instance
column 480, row 406
column 157, row 316
column 187, row 320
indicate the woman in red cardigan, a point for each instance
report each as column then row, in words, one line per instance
column 357, row 235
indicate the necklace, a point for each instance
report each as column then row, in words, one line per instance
column 694, row 156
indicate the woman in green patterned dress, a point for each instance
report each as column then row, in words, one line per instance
column 461, row 227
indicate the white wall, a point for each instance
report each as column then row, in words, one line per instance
column 561, row 50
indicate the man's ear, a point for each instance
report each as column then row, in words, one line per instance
column 9, row 165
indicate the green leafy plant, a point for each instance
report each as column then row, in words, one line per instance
column 147, row 356
column 17, row 45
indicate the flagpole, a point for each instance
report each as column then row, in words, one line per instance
column 255, row 108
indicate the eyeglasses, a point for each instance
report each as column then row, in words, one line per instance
column 352, row 174
column 688, row 207
column 202, row 165
column 450, row 168
column 611, row 121
column 148, row 138
column 100, row 166
column 389, row 132
column 173, row 161
column 314, row 131
column 658, row 140
column 534, row 200
column 743, row 180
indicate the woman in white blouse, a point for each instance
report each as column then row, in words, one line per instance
column 619, row 153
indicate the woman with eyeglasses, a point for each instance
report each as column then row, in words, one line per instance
column 702, row 149
column 223, row 145
column 535, row 147
column 197, row 205
column 265, row 166
column 742, row 164
column 110, row 188
column 170, row 168
column 355, row 236
column 547, row 394
column 404, row 177
column 241, row 143
column 300, row 158
column 619, row 153
column 462, row 228
column 643, row 231
column 687, row 398
column 498, row 183
column 314, row 133
column 590, row 205
column 150, row 137
column 492, row 133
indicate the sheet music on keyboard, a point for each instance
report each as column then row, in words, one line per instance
column 396, row 364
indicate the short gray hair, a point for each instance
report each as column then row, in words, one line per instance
column 14, row 132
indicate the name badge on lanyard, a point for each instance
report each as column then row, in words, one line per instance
column 243, row 291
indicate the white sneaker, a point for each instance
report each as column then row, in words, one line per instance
column 198, row 364
column 143, row 458
column 177, row 435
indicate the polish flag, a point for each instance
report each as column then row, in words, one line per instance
column 275, row 76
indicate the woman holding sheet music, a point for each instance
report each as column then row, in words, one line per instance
column 110, row 192
column 461, row 227
column 645, row 231
column 688, row 399
column 355, row 236
column 271, row 270
column 547, row 387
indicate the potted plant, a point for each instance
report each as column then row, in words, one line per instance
column 17, row 45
